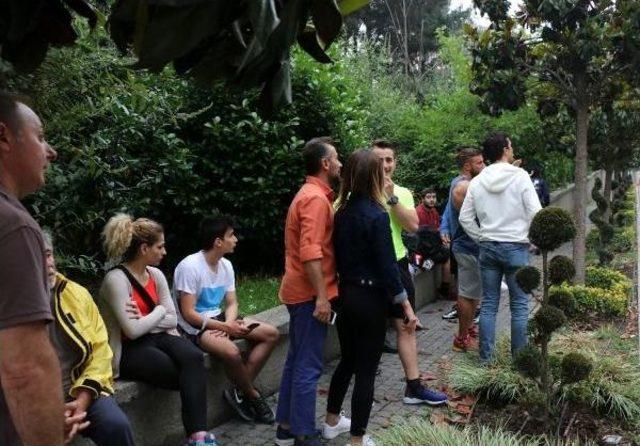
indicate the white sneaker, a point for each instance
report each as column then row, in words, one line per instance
column 331, row 432
column 366, row 441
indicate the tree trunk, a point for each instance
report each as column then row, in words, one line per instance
column 405, row 40
column 545, row 277
column 580, row 194
column 608, row 178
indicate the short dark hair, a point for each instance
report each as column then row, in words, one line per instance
column 464, row 154
column 9, row 109
column 212, row 228
column 314, row 151
column 428, row 190
column 494, row 145
column 384, row 144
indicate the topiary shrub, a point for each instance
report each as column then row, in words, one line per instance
column 528, row 278
column 561, row 269
column 575, row 368
column 550, row 228
column 528, row 361
column 604, row 227
column 547, row 320
column 593, row 239
column 563, row 299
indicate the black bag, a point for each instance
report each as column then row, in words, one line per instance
column 138, row 287
column 429, row 245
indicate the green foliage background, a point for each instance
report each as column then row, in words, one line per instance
column 156, row 145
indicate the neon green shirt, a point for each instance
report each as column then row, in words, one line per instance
column 405, row 198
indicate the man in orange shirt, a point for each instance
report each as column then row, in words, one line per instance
column 308, row 286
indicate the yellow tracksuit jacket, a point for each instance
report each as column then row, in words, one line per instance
column 78, row 316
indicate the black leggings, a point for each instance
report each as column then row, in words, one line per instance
column 361, row 323
column 173, row 363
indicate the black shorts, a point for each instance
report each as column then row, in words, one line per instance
column 195, row 338
column 395, row 310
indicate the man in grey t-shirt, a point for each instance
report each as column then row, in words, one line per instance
column 31, row 409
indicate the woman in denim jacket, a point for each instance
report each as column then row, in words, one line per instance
column 369, row 281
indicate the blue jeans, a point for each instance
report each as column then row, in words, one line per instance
column 302, row 370
column 109, row 425
column 498, row 259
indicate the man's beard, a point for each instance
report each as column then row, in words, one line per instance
column 334, row 182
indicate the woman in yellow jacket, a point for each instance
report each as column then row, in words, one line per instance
column 80, row 339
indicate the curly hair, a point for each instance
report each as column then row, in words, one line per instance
column 122, row 236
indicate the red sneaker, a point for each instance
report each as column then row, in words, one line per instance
column 464, row 344
column 474, row 331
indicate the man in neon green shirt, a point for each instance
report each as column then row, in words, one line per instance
column 403, row 216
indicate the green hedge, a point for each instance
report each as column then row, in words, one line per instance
column 159, row 146
column 623, row 240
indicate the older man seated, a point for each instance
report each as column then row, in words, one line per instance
column 80, row 339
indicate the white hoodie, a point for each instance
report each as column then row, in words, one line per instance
column 503, row 199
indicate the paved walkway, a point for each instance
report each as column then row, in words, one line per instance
column 434, row 345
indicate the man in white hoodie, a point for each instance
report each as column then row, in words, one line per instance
column 497, row 211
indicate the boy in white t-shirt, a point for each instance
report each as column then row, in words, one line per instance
column 205, row 291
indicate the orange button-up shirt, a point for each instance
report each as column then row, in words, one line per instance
column 308, row 235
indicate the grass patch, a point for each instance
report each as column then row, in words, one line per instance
column 417, row 432
column 500, row 381
column 257, row 293
column 612, row 389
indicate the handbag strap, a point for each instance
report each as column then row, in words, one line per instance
column 144, row 294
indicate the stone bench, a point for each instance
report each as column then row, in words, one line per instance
column 155, row 413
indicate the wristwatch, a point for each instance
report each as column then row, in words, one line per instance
column 393, row 200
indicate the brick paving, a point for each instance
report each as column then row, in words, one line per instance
column 434, row 345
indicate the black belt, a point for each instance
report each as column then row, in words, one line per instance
column 361, row 281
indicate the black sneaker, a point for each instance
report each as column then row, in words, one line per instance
column 313, row 440
column 284, row 437
column 262, row 411
column 240, row 404
column 451, row 314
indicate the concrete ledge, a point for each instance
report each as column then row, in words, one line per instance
column 155, row 413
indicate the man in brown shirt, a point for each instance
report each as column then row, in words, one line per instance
column 31, row 409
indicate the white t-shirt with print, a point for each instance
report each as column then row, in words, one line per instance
column 193, row 275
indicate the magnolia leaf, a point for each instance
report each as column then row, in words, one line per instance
column 308, row 40
column 350, row 6
column 30, row 27
column 327, row 19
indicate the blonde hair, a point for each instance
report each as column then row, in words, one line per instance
column 122, row 236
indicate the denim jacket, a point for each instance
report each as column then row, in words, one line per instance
column 364, row 249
